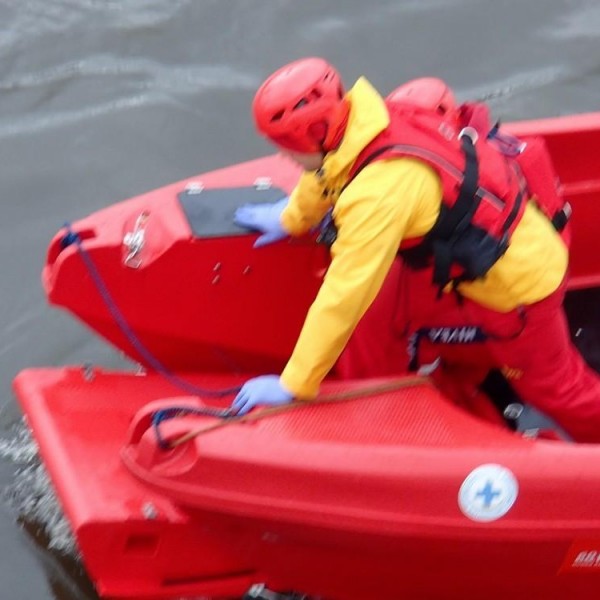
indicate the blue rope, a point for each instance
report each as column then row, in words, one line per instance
column 72, row 237
column 181, row 411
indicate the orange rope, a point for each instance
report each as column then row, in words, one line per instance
column 358, row 393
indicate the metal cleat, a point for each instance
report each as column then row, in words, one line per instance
column 513, row 411
column 263, row 183
column 260, row 592
column 134, row 241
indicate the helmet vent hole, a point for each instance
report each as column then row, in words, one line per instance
column 300, row 103
column 277, row 116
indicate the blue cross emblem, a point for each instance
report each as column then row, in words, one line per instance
column 488, row 493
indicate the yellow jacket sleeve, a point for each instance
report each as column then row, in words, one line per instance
column 307, row 206
column 385, row 203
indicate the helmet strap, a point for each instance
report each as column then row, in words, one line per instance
column 337, row 126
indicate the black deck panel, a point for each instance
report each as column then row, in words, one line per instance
column 210, row 211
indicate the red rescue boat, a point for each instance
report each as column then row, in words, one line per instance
column 177, row 267
column 382, row 489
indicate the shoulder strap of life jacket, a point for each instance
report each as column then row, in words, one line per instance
column 454, row 241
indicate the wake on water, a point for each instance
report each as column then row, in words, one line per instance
column 31, row 498
column 31, row 495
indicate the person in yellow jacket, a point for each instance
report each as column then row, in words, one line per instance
column 303, row 109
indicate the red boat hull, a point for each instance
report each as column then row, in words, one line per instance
column 359, row 499
column 196, row 303
column 220, row 293
column 396, row 493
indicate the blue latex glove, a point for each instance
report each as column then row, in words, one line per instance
column 263, row 390
column 265, row 218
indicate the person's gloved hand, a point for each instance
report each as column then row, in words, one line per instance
column 264, row 218
column 263, row 390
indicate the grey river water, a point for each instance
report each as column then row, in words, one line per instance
column 101, row 100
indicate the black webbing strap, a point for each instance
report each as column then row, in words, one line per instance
column 561, row 217
column 456, row 219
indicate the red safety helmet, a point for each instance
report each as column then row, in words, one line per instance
column 301, row 106
column 426, row 92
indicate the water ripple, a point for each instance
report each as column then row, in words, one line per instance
column 141, row 82
column 31, row 495
column 183, row 78
column 584, row 23
column 516, row 84
column 35, row 17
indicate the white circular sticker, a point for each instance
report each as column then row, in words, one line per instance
column 488, row 493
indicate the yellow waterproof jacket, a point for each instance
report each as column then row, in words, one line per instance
column 387, row 202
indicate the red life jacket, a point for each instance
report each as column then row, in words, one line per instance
column 484, row 189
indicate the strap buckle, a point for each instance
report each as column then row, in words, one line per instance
column 469, row 132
